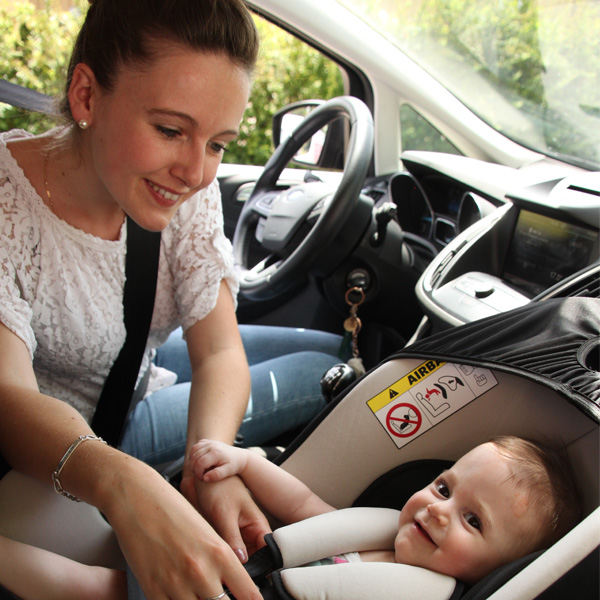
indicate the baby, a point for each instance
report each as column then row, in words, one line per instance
column 502, row 500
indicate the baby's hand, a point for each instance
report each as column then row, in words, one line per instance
column 213, row 461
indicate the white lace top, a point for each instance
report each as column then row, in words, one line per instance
column 61, row 290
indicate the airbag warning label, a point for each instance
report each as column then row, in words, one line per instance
column 426, row 396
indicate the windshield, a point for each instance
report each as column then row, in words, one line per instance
column 529, row 68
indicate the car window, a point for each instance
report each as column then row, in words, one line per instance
column 288, row 70
column 35, row 48
column 419, row 134
column 291, row 70
column 528, row 68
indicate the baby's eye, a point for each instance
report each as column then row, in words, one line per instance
column 442, row 489
column 473, row 521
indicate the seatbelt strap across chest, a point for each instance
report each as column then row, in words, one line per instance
column 141, row 271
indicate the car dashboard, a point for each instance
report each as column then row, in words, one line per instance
column 495, row 237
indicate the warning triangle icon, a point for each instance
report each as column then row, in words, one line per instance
column 393, row 394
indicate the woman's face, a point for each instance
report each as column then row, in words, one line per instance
column 159, row 136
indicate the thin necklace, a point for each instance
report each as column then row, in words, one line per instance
column 48, row 194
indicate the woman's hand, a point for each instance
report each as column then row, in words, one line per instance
column 173, row 552
column 230, row 509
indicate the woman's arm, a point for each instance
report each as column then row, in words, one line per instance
column 220, row 375
column 36, row 574
column 36, row 430
column 218, row 400
column 171, row 549
column 276, row 490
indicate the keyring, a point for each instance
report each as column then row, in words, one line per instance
column 357, row 290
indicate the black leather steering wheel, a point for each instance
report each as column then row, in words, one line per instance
column 275, row 217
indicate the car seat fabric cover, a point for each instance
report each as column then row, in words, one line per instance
column 546, row 341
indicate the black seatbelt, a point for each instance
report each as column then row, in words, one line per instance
column 16, row 95
column 141, row 271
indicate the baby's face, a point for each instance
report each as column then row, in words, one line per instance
column 470, row 520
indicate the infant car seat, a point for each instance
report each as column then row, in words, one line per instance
column 531, row 372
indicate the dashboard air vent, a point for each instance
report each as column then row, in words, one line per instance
column 373, row 193
column 584, row 283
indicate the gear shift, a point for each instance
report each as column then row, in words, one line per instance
column 336, row 379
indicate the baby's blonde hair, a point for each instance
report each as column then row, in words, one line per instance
column 545, row 472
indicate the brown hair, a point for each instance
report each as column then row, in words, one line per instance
column 545, row 471
column 117, row 32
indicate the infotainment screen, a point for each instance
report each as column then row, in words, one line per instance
column 544, row 250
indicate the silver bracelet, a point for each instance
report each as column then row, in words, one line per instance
column 56, row 474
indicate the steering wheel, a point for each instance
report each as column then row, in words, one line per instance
column 275, row 217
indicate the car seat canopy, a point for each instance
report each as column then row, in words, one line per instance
column 554, row 342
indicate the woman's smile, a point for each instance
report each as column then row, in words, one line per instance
column 164, row 196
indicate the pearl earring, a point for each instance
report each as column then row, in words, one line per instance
column 83, row 124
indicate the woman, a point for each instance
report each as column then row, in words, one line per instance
column 155, row 92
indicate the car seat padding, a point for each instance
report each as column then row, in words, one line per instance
column 347, row 530
column 363, row 581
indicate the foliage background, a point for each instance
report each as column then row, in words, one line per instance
column 36, row 45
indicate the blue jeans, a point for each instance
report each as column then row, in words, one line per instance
column 286, row 366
